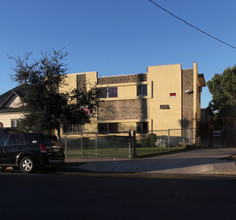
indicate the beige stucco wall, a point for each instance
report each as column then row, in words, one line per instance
column 165, row 79
column 70, row 83
column 6, row 118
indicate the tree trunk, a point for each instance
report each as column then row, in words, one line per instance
column 59, row 133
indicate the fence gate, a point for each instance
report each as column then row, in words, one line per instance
column 222, row 132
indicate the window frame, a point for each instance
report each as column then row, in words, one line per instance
column 106, row 128
column 72, row 129
column 108, row 92
column 142, row 127
column 14, row 123
column 142, row 90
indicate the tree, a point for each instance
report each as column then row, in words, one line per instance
column 223, row 90
column 45, row 107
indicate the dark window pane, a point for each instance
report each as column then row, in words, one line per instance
column 108, row 127
column 72, row 128
column 145, row 127
column 142, row 90
column 113, row 128
column 112, row 92
column 32, row 139
column 102, row 92
column 14, row 139
column 139, row 90
column 3, row 140
column 102, row 127
column 139, row 127
column 51, row 141
column 142, row 127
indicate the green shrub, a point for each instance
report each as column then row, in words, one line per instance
column 148, row 141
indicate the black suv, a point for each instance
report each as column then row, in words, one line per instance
column 29, row 151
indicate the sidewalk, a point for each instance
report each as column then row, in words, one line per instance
column 198, row 161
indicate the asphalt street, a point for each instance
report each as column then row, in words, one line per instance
column 84, row 195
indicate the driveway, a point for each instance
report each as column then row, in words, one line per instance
column 198, row 161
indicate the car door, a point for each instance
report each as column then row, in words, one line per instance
column 3, row 142
column 13, row 148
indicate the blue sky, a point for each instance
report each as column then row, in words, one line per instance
column 117, row 37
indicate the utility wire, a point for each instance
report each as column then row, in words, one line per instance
column 209, row 35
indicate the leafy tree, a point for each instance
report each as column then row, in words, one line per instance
column 223, row 90
column 46, row 108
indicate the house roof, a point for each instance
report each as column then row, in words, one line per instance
column 19, row 91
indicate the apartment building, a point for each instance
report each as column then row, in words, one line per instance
column 165, row 97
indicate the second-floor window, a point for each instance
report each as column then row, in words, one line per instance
column 142, row 90
column 111, row 92
column 108, row 92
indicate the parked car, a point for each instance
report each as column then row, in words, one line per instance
column 29, row 151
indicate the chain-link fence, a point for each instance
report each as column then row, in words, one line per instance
column 95, row 145
column 174, row 137
column 122, row 145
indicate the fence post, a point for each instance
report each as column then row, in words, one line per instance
column 81, row 145
column 65, row 147
column 96, row 145
column 168, row 139
column 130, row 145
column 134, row 143
column 190, row 136
column 189, row 140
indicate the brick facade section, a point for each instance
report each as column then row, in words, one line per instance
column 187, row 105
column 123, row 110
column 81, row 81
column 122, row 79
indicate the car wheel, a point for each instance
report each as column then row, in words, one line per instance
column 27, row 165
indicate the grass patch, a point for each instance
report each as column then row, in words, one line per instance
column 144, row 152
column 100, row 153
column 123, row 153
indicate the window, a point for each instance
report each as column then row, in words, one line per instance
column 142, row 127
column 107, row 127
column 3, row 141
column 102, row 92
column 15, row 139
column 142, row 90
column 108, row 92
column 111, row 92
column 32, row 139
column 72, row 128
column 14, row 123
